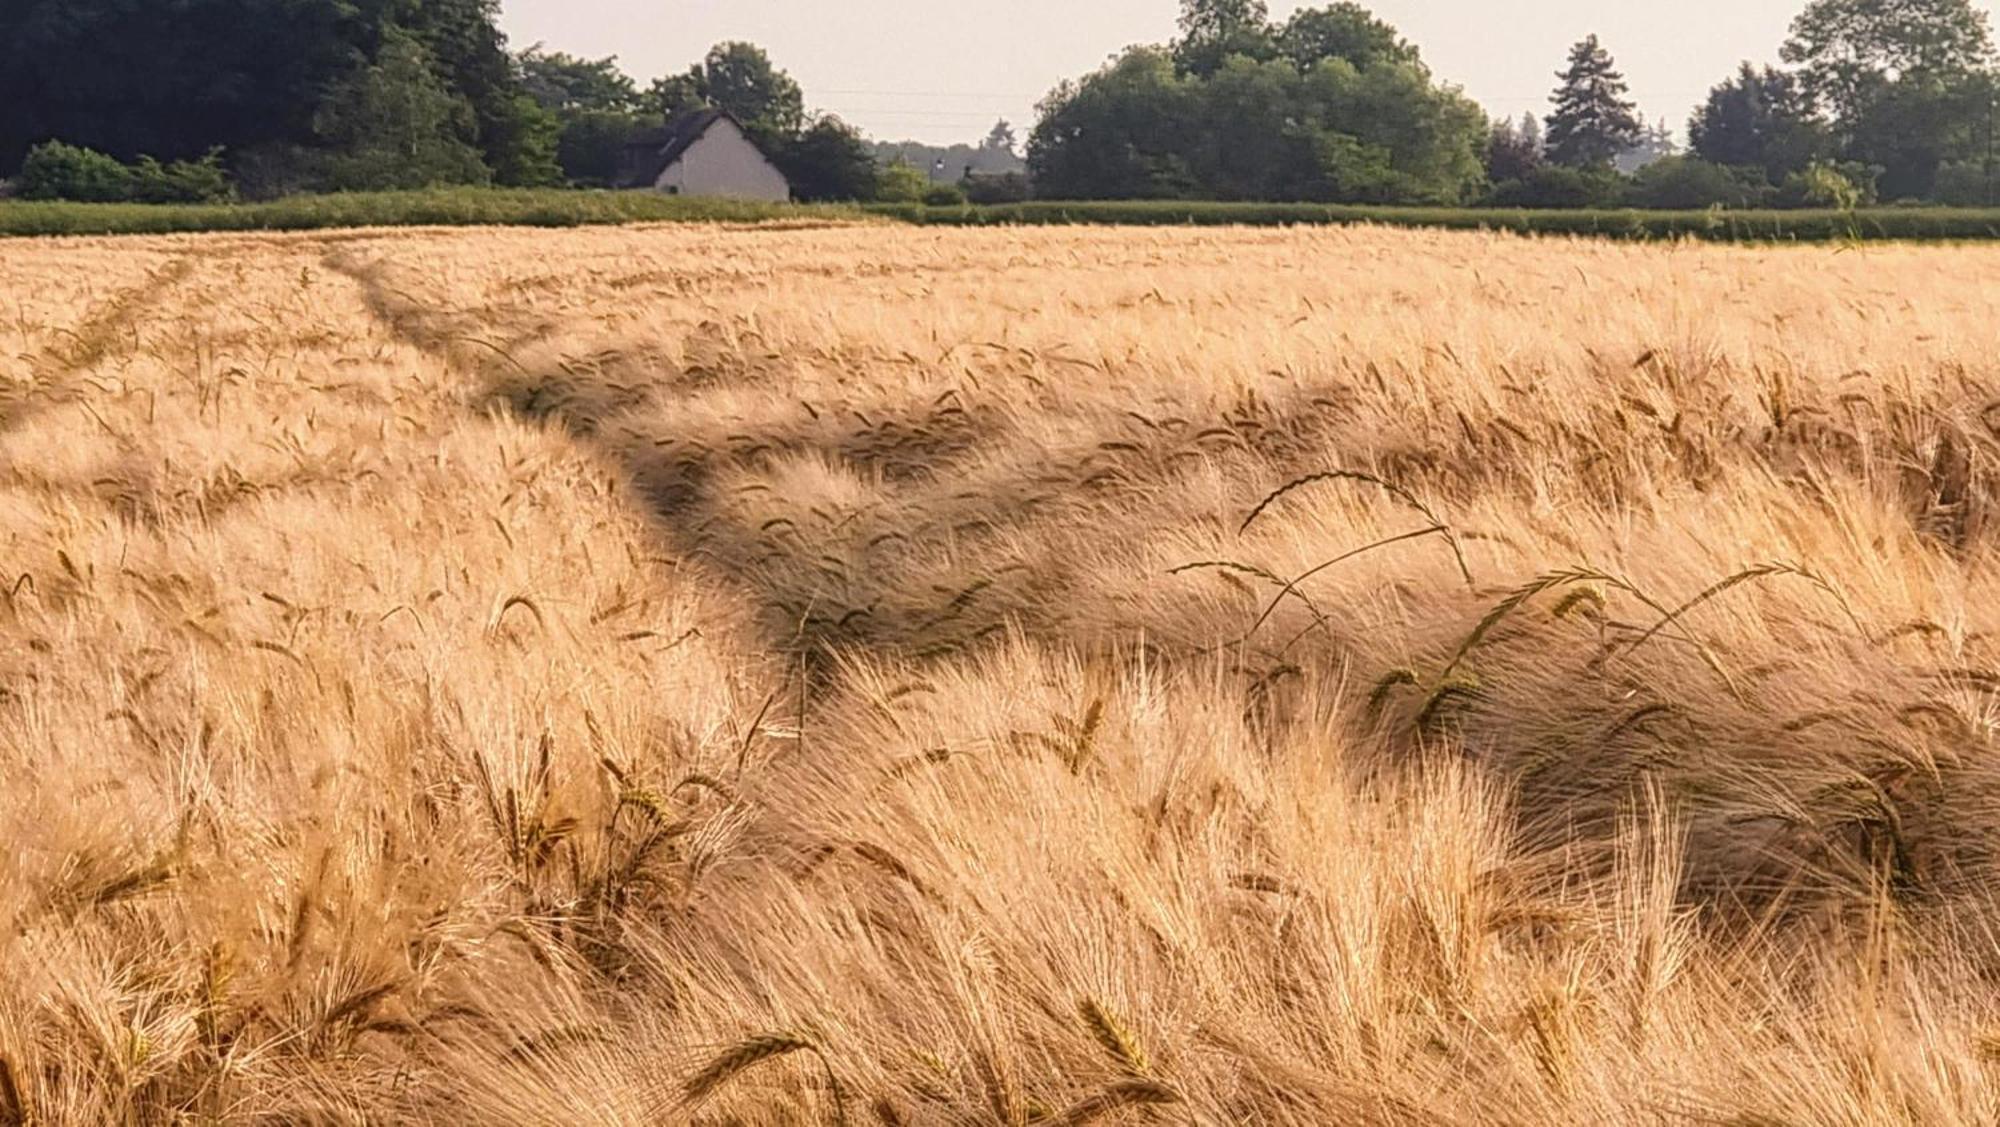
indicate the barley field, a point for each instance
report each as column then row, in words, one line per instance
column 875, row 674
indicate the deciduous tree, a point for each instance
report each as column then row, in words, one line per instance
column 740, row 78
column 396, row 124
column 829, row 161
column 1848, row 51
column 1758, row 119
column 568, row 84
column 1214, row 30
column 1510, row 153
column 1342, row 31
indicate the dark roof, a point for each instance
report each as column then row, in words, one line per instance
column 651, row 153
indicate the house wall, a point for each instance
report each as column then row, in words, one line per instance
column 724, row 163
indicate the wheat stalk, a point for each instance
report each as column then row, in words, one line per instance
column 1549, row 581
column 1765, row 571
column 1393, row 489
column 888, row 863
column 1293, row 585
column 1228, row 567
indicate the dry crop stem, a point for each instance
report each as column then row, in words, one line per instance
column 1214, row 676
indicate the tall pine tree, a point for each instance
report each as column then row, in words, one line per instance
column 1592, row 122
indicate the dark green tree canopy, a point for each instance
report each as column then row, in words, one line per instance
column 591, row 148
column 829, row 161
column 1118, row 134
column 171, row 78
column 1346, row 113
column 1916, row 126
column 597, row 108
column 1342, row 31
column 1512, row 153
column 1214, row 30
column 177, row 78
column 565, row 83
column 1687, row 183
column 1593, row 122
column 1758, row 119
column 1905, row 90
column 1329, row 103
column 1894, row 98
column 516, row 136
column 677, row 93
column 739, row 78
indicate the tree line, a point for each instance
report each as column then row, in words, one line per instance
column 291, row 93
column 196, row 99
column 1875, row 100
column 172, row 99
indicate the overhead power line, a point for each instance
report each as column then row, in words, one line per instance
column 935, row 93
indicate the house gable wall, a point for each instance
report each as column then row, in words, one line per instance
column 724, row 162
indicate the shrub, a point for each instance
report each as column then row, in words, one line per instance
column 1840, row 186
column 1967, row 184
column 984, row 188
column 55, row 171
column 1688, row 183
column 1555, row 186
column 182, row 181
column 269, row 172
column 945, row 195
column 901, row 182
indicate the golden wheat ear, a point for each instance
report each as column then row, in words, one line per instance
column 1117, row 1038
column 736, row 1059
column 751, row 1052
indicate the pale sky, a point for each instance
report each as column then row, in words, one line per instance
column 943, row 70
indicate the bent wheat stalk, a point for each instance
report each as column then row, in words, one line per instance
column 1293, row 586
column 752, row 1051
column 1765, row 571
column 1390, row 487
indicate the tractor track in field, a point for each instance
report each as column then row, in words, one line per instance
column 55, row 374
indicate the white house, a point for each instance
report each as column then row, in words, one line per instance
column 703, row 153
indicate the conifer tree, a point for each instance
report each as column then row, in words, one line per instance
column 1592, row 122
